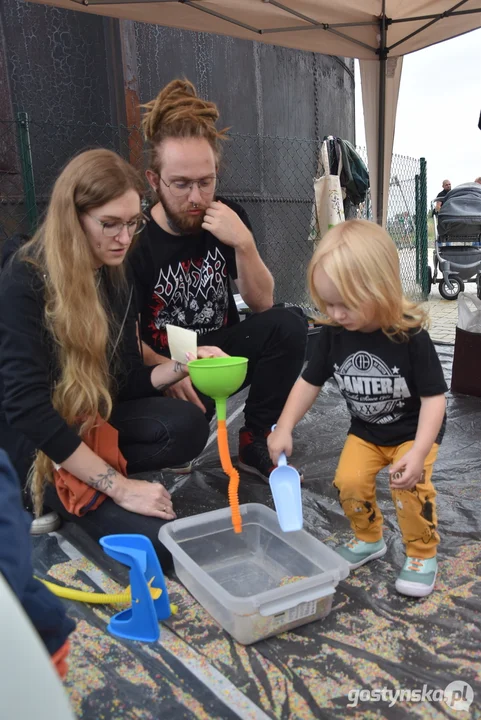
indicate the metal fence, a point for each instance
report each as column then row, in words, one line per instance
column 271, row 177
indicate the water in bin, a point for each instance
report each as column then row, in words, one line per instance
column 285, row 484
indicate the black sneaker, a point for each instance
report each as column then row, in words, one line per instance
column 253, row 454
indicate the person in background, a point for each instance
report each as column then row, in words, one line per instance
column 385, row 364
column 45, row 611
column 442, row 194
column 195, row 244
column 79, row 410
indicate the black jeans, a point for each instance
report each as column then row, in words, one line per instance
column 154, row 433
column 159, row 432
column 275, row 343
column 111, row 519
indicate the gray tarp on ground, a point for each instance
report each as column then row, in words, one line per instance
column 373, row 637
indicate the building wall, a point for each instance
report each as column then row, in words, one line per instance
column 59, row 60
column 260, row 89
column 57, row 63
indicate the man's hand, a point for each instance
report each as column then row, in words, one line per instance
column 209, row 351
column 407, row 472
column 144, row 498
column 225, row 224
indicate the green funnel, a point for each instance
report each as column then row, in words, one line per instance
column 218, row 378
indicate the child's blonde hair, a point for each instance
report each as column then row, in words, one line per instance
column 362, row 261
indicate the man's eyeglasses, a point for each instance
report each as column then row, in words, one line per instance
column 112, row 228
column 179, row 188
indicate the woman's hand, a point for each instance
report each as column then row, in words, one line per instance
column 279, row 441
column 144, row 498
column 183, row 389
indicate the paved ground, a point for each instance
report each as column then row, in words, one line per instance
column 444, row 313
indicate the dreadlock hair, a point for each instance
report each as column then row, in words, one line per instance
column 178, row 112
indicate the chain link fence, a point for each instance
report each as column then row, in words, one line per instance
column 271, row 177
column 407, row 221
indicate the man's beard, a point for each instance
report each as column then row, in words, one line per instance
column 180, row 221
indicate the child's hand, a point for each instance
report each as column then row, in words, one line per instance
column 279, row 441
column 407, row 472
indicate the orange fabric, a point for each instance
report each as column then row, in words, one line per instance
column 59, row 659
column 76, row 496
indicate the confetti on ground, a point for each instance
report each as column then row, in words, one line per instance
column 372, row 638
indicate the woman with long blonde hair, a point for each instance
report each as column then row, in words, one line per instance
column 373, row 343
column 70, row 360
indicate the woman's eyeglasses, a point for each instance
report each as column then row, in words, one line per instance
column 112, row 228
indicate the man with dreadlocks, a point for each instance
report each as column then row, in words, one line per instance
column 193, row 245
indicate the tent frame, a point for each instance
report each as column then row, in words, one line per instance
column 383, row 22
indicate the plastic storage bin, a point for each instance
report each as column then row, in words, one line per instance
column 242, row 580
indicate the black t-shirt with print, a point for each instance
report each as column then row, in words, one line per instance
column 382, row 380
column 184, row 281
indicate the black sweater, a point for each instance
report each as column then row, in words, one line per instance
column 28, row 364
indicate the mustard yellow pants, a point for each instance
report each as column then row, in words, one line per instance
column 355, row 480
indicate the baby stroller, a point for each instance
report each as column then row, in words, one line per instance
column 457, row 252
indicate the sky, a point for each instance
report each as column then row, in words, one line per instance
column 438, row 110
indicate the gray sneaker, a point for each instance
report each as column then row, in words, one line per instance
column 357, row 552
column 45, row 524
column 417, row 577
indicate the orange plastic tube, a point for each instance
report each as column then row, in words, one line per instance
column 229, row 469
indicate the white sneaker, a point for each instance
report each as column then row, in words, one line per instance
column 45, row 524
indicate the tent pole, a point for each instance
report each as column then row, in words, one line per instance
column 382, row 115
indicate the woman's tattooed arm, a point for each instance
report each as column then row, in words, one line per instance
column 104, row 481
column 177, row 369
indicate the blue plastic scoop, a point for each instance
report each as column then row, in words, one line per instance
column 285, row 484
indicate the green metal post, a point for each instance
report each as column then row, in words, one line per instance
column 418, row 241
column 423, row 227
column 27, row 170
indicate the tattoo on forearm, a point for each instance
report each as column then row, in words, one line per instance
column 104, row 481
column 163, row 387
column 178, row 368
